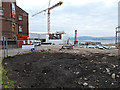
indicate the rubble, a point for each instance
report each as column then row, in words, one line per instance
column 94, row 70
column 56, row 70
column 85, row 84
column 85, row 79
column 91, row 86
column 77, row 73
column 113, row 75
column 107, row 70
column 117, row 76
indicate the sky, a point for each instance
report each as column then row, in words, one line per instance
column 97, row 18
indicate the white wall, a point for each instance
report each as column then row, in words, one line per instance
column 58, row 41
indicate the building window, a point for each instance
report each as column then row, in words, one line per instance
column 20, row 28
column 20, row 17
column 13, row 27
column 13, row 10
column 1, row 13
column 55, row 36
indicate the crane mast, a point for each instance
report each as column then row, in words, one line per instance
column 48, row 14
column 48, row 22
column 48, row 19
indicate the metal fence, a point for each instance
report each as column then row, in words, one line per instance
column 11, row 48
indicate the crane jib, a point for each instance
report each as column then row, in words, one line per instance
column 48, row 17
column 49, row 8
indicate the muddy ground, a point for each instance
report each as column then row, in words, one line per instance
column 63, row 70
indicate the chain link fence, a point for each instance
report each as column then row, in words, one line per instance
column 11, row 48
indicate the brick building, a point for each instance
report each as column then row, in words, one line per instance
column 15, row 24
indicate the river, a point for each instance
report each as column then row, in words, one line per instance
column 102, row 41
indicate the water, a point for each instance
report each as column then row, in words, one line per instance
column 102, row 41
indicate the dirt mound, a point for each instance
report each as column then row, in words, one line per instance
column 52, row 70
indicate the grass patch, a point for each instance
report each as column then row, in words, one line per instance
column 6, row 82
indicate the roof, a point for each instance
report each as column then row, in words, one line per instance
column 39, row 32
column 60, row 32
column 21, row 9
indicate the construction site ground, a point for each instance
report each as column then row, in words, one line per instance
column 50, row 67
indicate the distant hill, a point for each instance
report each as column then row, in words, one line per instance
column 94, row 38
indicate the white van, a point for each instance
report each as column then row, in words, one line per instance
column 36, row 42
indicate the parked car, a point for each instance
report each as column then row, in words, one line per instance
column 36, row 42
column 106, row 47
column 91, row 47
column 100, row 47
column 113, row 47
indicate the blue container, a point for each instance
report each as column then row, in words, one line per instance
column 33, row 49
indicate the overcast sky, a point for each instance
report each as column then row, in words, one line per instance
column 90, row 17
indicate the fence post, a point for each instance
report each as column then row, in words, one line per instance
column 6, row 47
column 17, row 46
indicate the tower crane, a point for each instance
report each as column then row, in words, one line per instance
column 48, row 14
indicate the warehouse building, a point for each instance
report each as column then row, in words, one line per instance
column 15, row 24
column 38, row 36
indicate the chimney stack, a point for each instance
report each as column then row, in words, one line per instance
column 75, row 42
